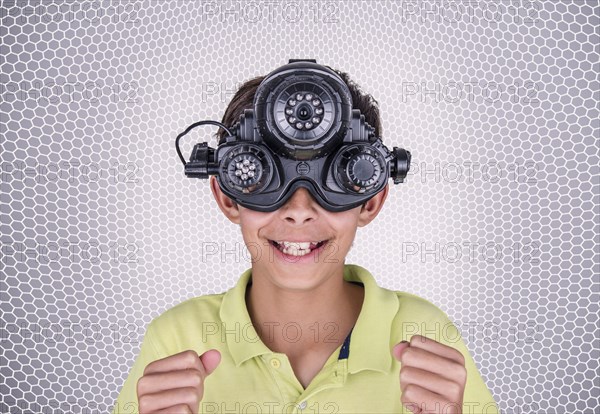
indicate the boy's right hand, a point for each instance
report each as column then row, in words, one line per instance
column 175, row 384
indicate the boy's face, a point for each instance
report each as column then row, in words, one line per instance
column 301, row 218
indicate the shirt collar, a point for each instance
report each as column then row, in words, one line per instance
column 370, row 346
column 236, row 319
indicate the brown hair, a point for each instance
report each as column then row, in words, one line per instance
column 244, row 99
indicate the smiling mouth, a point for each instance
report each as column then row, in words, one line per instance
column 296, row 248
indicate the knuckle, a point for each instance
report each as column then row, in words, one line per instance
column 417, row 338
column 182, row 408
column 190, row 357
column 404, row 374
column 196, row 378
column 144, row 403
column 409, row 392
column 409, row 401
column 141, row 385
column 408, row 355
column 461, row 372
column 149, row 367
column 460, row 357
column 190, row 394
column 454, row 389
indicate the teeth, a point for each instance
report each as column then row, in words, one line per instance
column 297, row 245
column 296, row 248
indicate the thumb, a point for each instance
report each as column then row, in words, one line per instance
column 210, row 360
column 399, row 348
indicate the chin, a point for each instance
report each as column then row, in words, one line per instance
column 305, row 278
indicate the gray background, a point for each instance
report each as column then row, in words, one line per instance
column 497, row 223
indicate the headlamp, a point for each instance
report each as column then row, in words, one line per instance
column 301, row 132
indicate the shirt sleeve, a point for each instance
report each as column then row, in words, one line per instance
column 127, row 402
column 477, row 397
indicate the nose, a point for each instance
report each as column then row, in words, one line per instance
column 300, row 207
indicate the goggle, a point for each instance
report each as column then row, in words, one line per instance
column 301, row 132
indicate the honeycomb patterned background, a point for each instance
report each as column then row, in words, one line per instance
column 497, row 223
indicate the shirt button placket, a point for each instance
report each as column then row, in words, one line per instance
column 302, row 405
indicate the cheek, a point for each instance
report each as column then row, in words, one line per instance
column 345, row 228
column 347, row 222
column 252, row 223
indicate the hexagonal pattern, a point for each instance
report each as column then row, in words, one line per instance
column 497, row 223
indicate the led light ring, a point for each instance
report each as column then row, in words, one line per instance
column 272, row 100
column 246, row 169
column 359, row 169
column 304, row 111
column 281, row 102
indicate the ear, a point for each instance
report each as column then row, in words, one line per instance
column 371, row 208
column 229, row 207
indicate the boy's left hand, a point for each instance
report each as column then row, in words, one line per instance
column 432, row 377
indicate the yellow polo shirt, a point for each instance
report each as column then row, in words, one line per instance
column 361, row 376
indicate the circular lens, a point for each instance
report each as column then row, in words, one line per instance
column 300, row 107
column 303, row 106
column 246, row 169
column 363, row 169
column 304, row 112
column 359, row 169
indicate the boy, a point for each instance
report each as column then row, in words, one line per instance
column 302, row 332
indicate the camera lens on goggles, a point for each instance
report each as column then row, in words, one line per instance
column 300, row 111
column 359, row 168
column 303, row 111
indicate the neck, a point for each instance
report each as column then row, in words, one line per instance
column 285, row 318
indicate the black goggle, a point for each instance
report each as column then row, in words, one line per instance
column 302, row 132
